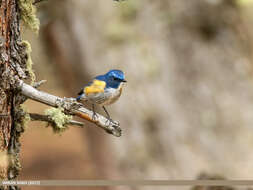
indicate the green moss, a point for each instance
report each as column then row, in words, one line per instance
column 28, row 14
column 29, row 62
column 59, row 118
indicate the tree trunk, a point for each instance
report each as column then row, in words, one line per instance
column 13, row 58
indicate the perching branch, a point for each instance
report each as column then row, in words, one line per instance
column 70, row 106
column 35, row 85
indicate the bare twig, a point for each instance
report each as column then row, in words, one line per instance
column 39, row 117
column 38, row 84
column 71, row 106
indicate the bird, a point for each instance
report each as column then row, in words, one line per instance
column 103, row 90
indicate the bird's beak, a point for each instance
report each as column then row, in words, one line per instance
column 124, row 81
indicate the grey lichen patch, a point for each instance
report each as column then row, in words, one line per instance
column 59, row 118
column 29, row 62
column 28, row 14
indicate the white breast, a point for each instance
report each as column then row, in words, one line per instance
column 112, row 94
column 109, row 96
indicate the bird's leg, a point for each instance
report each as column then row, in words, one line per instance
column 108, row 116
column 94, row 115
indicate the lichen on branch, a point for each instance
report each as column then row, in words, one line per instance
column 29, row 62
column 59, row 118
column 28, row 14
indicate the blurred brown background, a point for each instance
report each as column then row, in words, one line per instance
column 187, row 107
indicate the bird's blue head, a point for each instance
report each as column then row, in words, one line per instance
column 114, row 78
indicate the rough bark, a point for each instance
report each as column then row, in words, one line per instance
column 13, row 59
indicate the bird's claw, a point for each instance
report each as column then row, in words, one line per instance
column 113, row 123
column 109, row 121
column 94, row 116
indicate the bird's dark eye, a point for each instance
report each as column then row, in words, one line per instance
column 116, row 79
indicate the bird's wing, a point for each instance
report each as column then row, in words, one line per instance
column 97, row 85
column 93, row 91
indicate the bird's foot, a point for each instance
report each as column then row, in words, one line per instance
column 109, row 121
column 94, row 116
